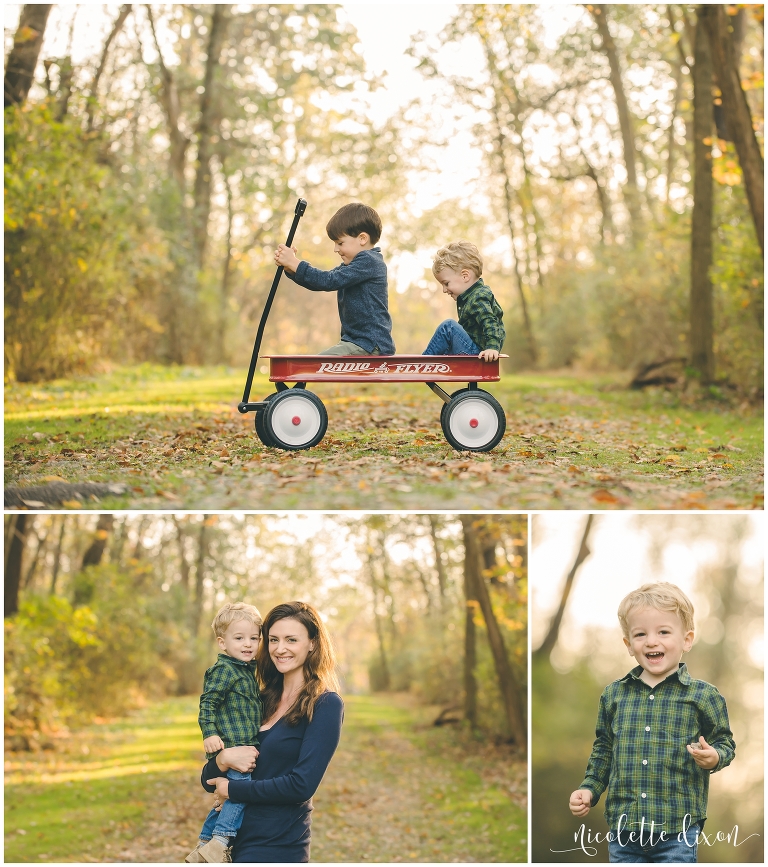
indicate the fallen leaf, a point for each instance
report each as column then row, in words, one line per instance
column 167, row 494
column 604, row 496
column 72, row 504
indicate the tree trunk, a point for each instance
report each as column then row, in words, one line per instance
column 57, row 555
column 508, row 686
column 169, row 96
column 632, row 192
column 671, row 137
column 222, row 355
column 202, row 555
column 20, row 68
column 470, row 639
column 498, row 142
column 17, row 532
column 125, row 10
column 138, row 548
column 546, row 646
column 95, row 552
column 439, row 564
column 385, row 677
column 738, row 117
column 206, row 128
column 702, row 358
column 183, row 563
column 32, row 569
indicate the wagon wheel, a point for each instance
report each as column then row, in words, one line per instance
column 261, row 431
column 295, row 419
column 473, row 421
column 445, row 405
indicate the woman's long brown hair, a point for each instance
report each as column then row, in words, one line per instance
column 319, row 666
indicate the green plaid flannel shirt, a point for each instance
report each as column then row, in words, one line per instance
column 639, row 753
column 230, row 706
column 480, row 316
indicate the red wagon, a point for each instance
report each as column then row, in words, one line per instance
column 295, row 418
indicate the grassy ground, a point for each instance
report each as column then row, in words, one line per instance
column 397, row 790
column 175, row 436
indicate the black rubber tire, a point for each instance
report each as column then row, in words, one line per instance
column 258, row 423
column 473, row 405
column 310, row 427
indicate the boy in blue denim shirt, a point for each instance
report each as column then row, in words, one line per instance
column 660, row 735
column 360, row 281
column 230, row 716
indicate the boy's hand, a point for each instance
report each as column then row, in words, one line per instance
column 287, row 257
column 222, row 787
column 705, row 756
column 580, row 803
column 489, row 354
column 213, row 744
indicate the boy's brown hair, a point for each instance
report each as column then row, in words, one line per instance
column 660, row 595
column 458, row 255
column 353, row 219
column 231, row 613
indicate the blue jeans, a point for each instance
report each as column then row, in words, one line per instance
column 671, row 851
column 451, row 339
column 226, row 822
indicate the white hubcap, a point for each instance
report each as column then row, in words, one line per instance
column 473, row 423
column 295, row 420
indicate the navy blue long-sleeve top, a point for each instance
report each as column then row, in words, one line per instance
column 278, row 797
column 362, row 298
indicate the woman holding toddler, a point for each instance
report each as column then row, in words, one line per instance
column 302, row 716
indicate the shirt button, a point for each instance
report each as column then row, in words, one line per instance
column 645, row 761
column 643, row 795
column 647, row 728
column 651, row 697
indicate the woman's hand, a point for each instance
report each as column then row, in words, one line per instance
column 222, row 787
column 241, row 759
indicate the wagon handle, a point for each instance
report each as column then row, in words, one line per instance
column 301, row 206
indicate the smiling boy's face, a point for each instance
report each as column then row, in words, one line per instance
column 455, row 283
column 241, row 640
column 657, row 640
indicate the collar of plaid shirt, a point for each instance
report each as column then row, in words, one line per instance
column 464, row 297
column 681, row 674
column 227, row 658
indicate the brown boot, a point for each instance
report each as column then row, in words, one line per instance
column 215, row 852
column 194, row 856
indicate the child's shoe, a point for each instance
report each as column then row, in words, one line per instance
column 215, row 851
column 194, row 856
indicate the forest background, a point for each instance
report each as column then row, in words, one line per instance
column 605, row 159
column 104, row 613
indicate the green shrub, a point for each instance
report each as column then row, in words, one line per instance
column 83, row 262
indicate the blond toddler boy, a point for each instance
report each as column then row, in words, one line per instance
column 660, row 735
